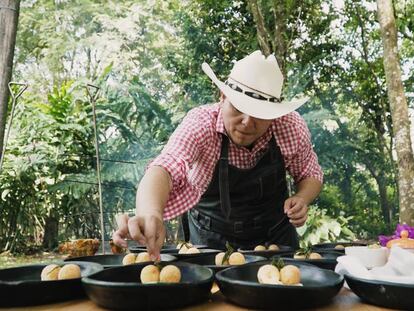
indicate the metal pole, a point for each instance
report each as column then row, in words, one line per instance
column 93, row 91
column 14, row 100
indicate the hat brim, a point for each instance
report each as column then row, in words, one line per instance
column 256, row 108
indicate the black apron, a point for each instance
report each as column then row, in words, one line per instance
column 244, row 206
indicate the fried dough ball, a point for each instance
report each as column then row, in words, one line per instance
column 150, row 274
column 268, row 274
column 69, row 271
column 50, row 273
column 193, row 250
column 290, row 275
column 315, row 256
column 143, row 257
column 170, row 274
column 273, row 247
column 237, row 258
column 129, row 259
column 340, row 246
column 260, row 248
column 219, row 259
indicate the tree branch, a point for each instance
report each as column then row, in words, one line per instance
column 262, row 33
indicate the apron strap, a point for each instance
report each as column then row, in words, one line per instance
column 224, row 187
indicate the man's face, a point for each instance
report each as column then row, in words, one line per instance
column 242, row 129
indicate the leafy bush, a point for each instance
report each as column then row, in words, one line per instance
column 321, row 228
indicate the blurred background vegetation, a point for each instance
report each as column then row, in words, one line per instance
column 146, row 58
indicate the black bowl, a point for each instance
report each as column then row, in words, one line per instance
column 166, row 249
column 111, row 261
column 209, row 261
column 239, row 284
column 381, row 293
column 328, row 260
column 22, row 286
column 203, row 252
column 283, row 249
column 120, row 288
column 332, row 246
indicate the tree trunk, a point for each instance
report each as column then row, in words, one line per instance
column 9, row 15
column 279, row 40
column 50, row 239
column 262, row 32
column 385, row 206
column 399, row 111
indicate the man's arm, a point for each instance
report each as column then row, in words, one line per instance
column 153, row 192
column 147, row 227
column 308, row 189
column 166, row 175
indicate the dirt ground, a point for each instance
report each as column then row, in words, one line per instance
column 8, row 260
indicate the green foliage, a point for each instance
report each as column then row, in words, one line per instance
column 146, row 58
column 320, row 228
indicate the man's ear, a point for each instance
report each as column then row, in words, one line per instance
column 222, row 97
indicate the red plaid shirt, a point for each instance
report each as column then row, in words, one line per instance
column 193, row 149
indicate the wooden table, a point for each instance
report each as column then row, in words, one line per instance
column 345, row 300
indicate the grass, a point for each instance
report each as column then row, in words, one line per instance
column 8, row 260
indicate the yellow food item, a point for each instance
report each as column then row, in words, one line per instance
column 273, row 247
column 219, row 259
column 69, row 271
column 50, row 273
column 129, row 259
column 315, row 256
column 143, row 257
column 237, row 258
column 268, row 274
column 150, row 274
column 260, row 248
column 184, row 244
column 183, row 250
column 193, row 250
column 170, row 274
column 340, row 246
column 290, row 275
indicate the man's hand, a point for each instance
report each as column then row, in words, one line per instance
column 296, row 209
column 122, row 232
column 148, row 230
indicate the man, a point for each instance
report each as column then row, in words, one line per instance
column 226, row 164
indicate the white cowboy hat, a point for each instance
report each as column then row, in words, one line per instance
column 254, row 87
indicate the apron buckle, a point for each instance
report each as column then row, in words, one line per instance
column 205, row 221
column 238, row 227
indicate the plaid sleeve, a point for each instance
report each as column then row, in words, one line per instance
column 304, row 164
column 177, row 158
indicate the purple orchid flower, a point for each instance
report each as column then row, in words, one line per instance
column 383, row 239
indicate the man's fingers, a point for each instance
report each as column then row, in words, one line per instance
column 118, row 239
column 287, row 205
column 121, row 220
column 136, row 227
column 299, row 222
column 302, row 212
column 121, row 234
column 155, row 235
